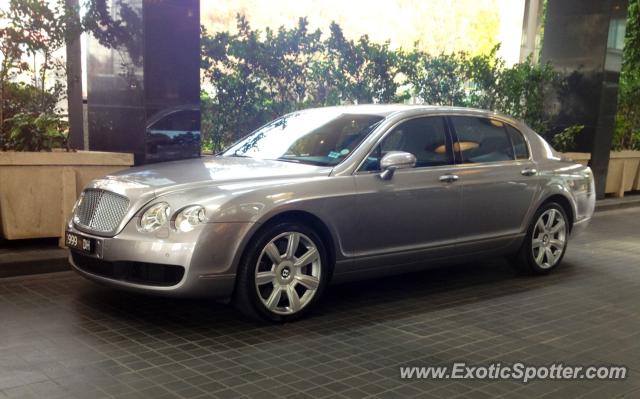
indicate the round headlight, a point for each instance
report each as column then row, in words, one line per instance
column 155, row 217
column 189, row 217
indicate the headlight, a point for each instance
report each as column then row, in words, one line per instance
column 74, row 218
column 154, row 217
column 189, row 217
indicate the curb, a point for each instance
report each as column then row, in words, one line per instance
column 34, row 262
column 615, row 205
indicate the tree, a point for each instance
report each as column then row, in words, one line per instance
column 257, row 76
column 483, row 81
column 437, row 80
column 35, row 29
column 362, row 71
column 521, row 91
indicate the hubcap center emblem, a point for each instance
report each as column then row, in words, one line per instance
column 545, row 239
column 285, row 273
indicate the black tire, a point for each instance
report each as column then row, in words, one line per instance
column 525, row 259
column 246, row 296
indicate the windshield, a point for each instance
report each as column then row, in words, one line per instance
column 317, row 137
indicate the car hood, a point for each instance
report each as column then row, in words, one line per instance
column 167, row 177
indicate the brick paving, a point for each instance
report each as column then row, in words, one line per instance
column 62, row 336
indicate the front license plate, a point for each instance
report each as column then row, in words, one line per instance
column 79, row 243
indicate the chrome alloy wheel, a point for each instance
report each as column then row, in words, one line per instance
column 287, row 273
column 549, row 238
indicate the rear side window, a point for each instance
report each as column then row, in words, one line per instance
column 520, row 148
column 481, row 140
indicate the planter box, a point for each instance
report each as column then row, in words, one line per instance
column 623, row 173
column 38, row 189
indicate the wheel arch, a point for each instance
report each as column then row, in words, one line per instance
column 565, row 203
column 305, row 217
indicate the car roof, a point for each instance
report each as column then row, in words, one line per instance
column 385, row 110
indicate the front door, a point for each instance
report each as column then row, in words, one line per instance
column 416, row 209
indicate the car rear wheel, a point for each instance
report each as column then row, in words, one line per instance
column 546, row 240
column 283, row 273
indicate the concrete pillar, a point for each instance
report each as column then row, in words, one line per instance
column 531, row 28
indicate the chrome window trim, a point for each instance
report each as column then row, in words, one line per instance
column 444, row 114
column 491, row 164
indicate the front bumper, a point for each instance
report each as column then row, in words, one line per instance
column 129, row 260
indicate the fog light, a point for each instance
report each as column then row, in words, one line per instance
column 189, row 217
column 155, row 217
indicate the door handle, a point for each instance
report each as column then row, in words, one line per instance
column 529, row 172
column 448, row 178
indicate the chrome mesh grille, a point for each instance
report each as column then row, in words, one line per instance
column 100, row 211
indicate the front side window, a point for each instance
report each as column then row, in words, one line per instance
column 425, row 138
column 317, row 137
column 481, row 140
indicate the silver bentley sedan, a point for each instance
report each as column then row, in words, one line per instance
column 332, row 194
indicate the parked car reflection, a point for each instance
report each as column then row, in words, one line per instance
column 173, row 133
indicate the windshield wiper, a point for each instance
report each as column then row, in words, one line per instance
column 301, row 161
column 288, row 160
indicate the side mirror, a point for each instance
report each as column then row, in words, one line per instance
column 396, row 160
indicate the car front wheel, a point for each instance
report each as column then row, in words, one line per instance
column 546, row 240
column 283, row 273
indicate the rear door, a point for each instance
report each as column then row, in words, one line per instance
column 499, row 180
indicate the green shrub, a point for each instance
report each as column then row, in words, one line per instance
column 438, row 80
column 37, row 132
column 565, row 141
column 257, row 76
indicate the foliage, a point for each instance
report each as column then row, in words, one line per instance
column 37, row 132
column 121, row 33
column 256, row 79
column 437, row 80
column 257, row 76
column 472, row 26
column 362, row 71
column 483, row 81
column 34, row 29
column 565, row 141
column 627, row 128
column 483, row 73
column 260, row 75
column 522, row 89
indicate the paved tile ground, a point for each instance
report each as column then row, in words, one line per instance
column 62, row 336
